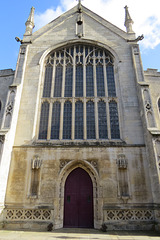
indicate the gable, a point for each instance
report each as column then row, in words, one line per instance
column 65, row 27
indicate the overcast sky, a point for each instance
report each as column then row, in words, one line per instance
column 145, row 14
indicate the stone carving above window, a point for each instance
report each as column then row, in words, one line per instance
column 94, row 163
column 63, row 163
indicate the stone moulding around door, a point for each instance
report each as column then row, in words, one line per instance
column 97, row 198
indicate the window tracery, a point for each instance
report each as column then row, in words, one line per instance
column 76, row 101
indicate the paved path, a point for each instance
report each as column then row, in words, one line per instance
column 77, row 234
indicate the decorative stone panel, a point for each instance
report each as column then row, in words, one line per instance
column 9, row 107
column 63, row 163
column 128, row 215
column 148, row 108
column 28, row 215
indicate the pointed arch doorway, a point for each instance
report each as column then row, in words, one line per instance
column 78, row 200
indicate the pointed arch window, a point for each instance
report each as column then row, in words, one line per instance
column 79, row 95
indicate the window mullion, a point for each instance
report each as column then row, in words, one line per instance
column 64, row 71
column 53, row 76
column 73, row 120
column 96, row 120
column 61, row 121
column 84, row 73
column 84, row 120
column 74, row 71
column 105, row 75
column 108, row 119
column 95, row 95
column 49, row 122
column 94, row 74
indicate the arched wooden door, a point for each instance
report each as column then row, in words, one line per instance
column 78, row 200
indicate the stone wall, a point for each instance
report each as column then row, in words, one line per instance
column 101, row 163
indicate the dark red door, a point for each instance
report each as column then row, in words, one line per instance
column 78, row 200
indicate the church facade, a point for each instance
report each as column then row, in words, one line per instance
column 80, row 128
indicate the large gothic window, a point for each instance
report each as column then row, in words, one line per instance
column 79, row 95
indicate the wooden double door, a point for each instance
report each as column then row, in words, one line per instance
column 78, row 200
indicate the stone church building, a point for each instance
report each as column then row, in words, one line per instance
column 79, row 128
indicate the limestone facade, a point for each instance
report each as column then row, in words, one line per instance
column 124, row 171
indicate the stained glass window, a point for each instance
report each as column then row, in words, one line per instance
column 89, row 81
column 48, row 81
column 58, row 81
column 68, row 81
column 100, row 81
column 67, row 120
column 79, row 120
column 90, row 121
column 79, row 81
column 110, row 81
column 44, row 121
column 102, row 120
column 114, row 121
column 55, row 120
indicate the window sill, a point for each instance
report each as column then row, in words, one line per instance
column 83, row 143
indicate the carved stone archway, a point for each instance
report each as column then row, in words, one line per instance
column 68, row 167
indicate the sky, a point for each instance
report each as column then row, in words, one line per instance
column 145, row 14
